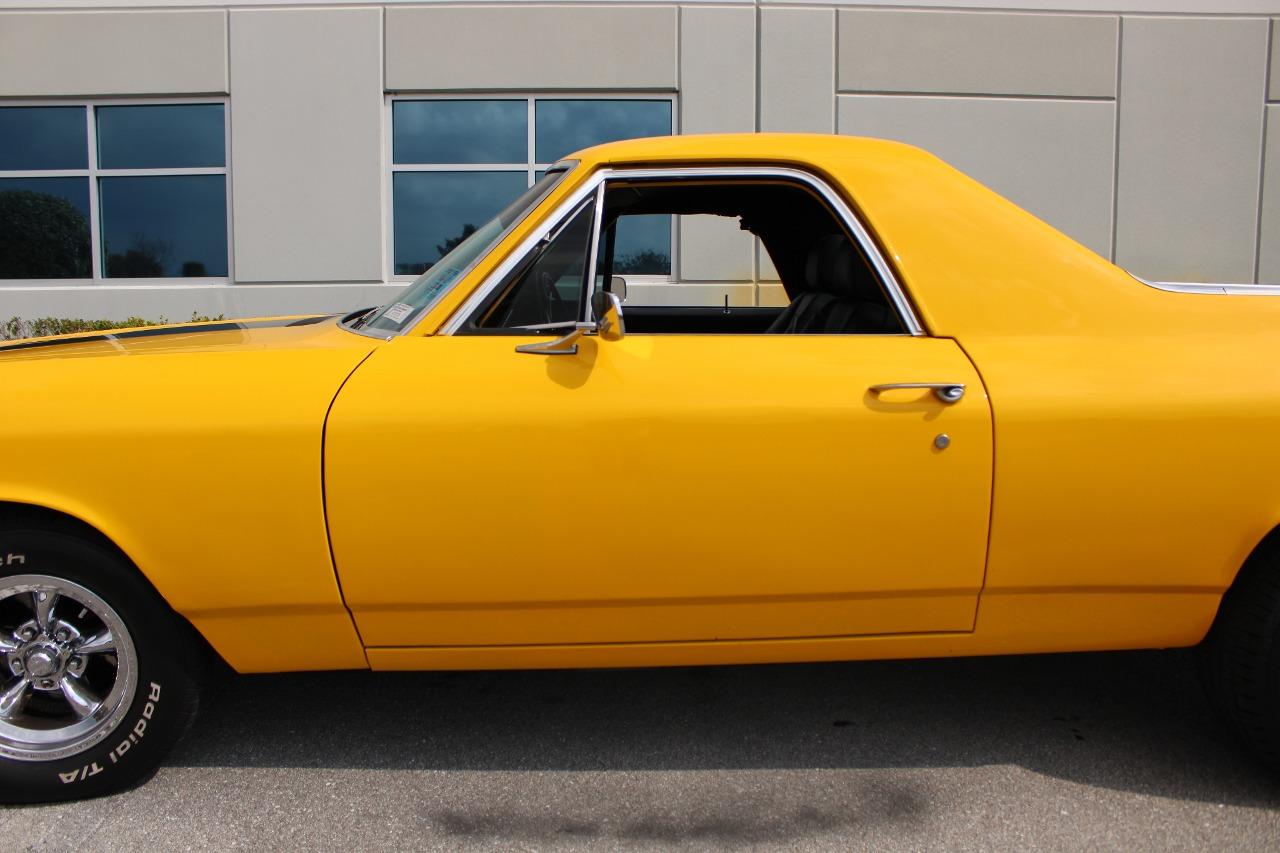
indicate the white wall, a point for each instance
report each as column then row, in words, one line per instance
column 1140, row 127
column 306, row 145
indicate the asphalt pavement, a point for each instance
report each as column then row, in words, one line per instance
column 1098, row 751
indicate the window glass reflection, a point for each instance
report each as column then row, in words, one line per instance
column 564, row 126
column 43, row 138
column 44, row 228
column 642, row 245
column 161, row 136
column 459, row 131
column 164, row 226
column 435, row 211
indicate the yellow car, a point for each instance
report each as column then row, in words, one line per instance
column 961, row 434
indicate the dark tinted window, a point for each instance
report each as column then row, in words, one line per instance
column 435, row 211
column 460, row 131
column 161, row 137
column 434, row 208
column 44, row 228
column 43, row 138
column 564, row 126
column 642, row 245
column 164, row 226
column 148, row 225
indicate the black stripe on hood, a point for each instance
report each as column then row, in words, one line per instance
column 158, row 331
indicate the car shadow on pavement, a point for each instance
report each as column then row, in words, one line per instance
column 1131, row 721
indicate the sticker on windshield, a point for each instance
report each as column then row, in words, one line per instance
column 398, row 313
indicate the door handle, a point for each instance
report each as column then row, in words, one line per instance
column 947, row 392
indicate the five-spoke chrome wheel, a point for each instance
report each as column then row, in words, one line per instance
column 68, row 668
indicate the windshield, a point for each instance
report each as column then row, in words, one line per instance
column 433, row 283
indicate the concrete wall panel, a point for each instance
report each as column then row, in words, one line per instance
column 531, row 47
column 113, row 53
column 885, row 50
column 306, row 150
column 717, row 70
column 1269, row 251
column 717, row 95
column 1190, row 140
column 1053, row 158
column 797, row 70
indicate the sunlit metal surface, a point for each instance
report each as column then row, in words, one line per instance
column 69, row 668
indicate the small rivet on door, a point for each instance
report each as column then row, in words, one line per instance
column 943, row 441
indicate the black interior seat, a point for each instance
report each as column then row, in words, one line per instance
column 841, row 295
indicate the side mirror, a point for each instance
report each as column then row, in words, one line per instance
column 607, row 308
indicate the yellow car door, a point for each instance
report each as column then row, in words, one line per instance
column 658, row 488
column 486, row 488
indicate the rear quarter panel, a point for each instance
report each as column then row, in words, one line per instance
column 1136, row 460
column 1134, row 465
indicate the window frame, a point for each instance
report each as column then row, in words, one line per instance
column 596, row 185
column 517, row 272
column 530, row 166
column 92, row 173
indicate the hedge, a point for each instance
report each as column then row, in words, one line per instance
column 40, row 327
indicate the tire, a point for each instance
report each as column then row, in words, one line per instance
column 1240, row 659
column 145, row 685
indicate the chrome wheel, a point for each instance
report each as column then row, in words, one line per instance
column 68, row 668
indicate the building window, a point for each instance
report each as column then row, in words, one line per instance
column 113, row 190
column 456, row 162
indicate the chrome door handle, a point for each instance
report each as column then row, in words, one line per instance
column 947, row 392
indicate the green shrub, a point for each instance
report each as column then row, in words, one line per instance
column 16, row 327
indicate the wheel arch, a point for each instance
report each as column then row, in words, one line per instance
column 47, row 518
column 1254, row 561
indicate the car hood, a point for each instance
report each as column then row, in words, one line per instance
column 268, row 333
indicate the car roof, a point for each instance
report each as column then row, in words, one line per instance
column 968, row 256
column 803, row 148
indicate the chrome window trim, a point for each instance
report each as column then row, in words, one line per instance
column 595, row 184
column 1215, row 289
column 593, row 258
column 1251, row 289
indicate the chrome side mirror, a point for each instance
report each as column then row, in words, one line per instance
column 607, row 308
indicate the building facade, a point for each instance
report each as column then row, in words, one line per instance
column 249, row 158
